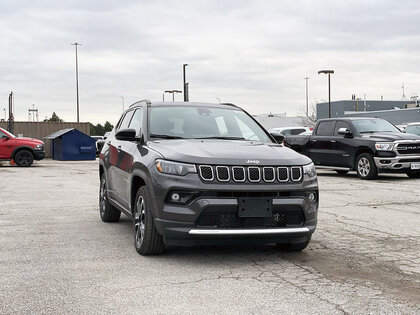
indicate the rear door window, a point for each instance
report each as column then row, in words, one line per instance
column 297, row 131
column 126, row 120
column 325, row 128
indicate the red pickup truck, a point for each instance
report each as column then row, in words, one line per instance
column 23, row 151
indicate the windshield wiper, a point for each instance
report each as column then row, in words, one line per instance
column 372, row 131
column 222, row 138
column 165, row 136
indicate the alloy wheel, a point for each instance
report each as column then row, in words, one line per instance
column 102, row 196
column 24, row 159
column 363, row 166
column 139, row 221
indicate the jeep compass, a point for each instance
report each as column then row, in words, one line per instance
column 204, row 174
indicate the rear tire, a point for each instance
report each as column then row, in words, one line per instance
column 413, row 174
column 24, row 158
column 147, row 240
column 107, row 211
column 342, row 172
column 294, row 247
column 366, row 167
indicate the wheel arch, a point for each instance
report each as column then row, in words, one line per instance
column 359, row 151
column 136, row 183
column 21, row 148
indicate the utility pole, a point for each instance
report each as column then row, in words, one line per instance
column 32, row 113
column 329, row 72
column 122, row 98
column 186, row 98
column 307, row 106
column 77, row 80
column 218, row 99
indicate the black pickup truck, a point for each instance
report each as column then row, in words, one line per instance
column 367, row 145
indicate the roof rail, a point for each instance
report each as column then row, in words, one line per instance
column 142, row 101
column 229, row 104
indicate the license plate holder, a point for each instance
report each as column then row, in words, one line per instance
column 415, row 166
column 255, row 207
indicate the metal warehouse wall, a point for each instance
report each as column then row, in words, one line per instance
column 39, row 130
column 339, row 107
column 397, row 117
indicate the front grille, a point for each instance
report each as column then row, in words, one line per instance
column 408, row 148
column 230, row 220
column 250, row 174
column 254, row 174
column 222, row 173
column 296, row 173
column 206, row 172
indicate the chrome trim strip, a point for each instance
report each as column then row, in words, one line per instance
column 333, row 168
column 259, row 174
column 248, row 231
column 287, row 172
column 217, row 174
column 212, row 173
column 233, row 173
column 300, row 173
column 274, row 174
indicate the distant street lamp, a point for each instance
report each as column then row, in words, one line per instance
column 329, row 72
column 185, row 83
column 77, row 80
column 173, row 93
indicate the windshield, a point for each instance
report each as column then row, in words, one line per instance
column 197, row 122
column 374, row 125
column 6, row 133
column 413, row 129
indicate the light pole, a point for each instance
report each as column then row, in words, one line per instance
column 218, row 99
column 5, row 117
column 173, row 93
column 329, row 72
column 307, row 106
column 122, row 98
column 77, row 80
column 185, row 83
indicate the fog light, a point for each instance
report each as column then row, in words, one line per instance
column 175, row 197
column 311, row 197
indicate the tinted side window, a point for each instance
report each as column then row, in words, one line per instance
column 136, row 121
column 285, row 132
column 340, row 124
column 126, row 120
column 325, row 128
column 297, row 131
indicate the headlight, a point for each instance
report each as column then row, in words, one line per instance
column 174, row 168
column 384, row 146
column 309, row 170
column 39, row 147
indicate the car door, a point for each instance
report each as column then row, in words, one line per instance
column 320, row 143
column 116, row 158
column 127, row 149
column 341, row 147
column 6, row 146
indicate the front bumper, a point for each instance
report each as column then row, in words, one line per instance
column 39, row 155
column 398, row 163
column 179, row 224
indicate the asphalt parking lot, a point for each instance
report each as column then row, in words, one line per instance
column 57, row 256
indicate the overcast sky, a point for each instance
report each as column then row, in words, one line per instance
column 252, row 53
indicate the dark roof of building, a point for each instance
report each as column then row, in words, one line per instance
column 59, row 133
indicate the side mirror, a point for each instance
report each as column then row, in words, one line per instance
column 345, row 132
column 278, row 137
column 127, row 135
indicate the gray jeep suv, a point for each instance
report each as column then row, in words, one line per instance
column 200, row 174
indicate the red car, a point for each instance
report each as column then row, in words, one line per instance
column 21, row 150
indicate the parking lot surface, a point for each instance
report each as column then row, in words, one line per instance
column 57, row 256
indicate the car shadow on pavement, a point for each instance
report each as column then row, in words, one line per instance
column 388, row 177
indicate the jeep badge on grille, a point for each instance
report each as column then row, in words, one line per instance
column 252, row 162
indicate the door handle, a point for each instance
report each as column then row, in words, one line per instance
column 314, row 140
column 119, row 148
column 333, row 141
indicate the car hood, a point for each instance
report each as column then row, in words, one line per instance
column 227, row 152
column 390, row 136
column 29, row 140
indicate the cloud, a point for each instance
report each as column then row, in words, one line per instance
column 253, row 53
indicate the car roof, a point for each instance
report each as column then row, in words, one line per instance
column 348, row 118
column 192, row 104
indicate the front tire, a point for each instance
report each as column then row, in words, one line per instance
column 365, row 166
column 294, row 247
column 107, row 211
column 147, row 240
column 413, row 174
column 24, row 158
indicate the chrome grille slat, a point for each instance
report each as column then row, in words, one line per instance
column 222, row 173
column 283, row 174
column 269, row 172
column 296, row 173
column 238, row 170
column 252, row 172
column 205, row 171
